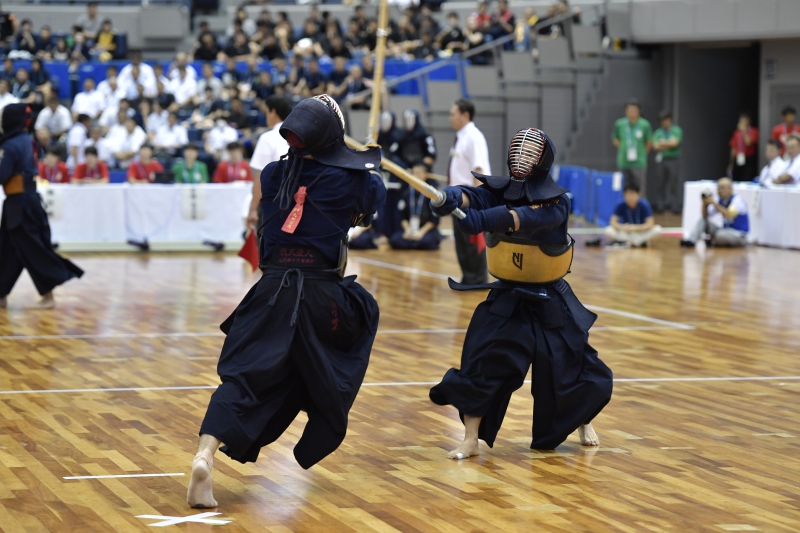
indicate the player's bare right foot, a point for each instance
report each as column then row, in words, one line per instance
column 588, row 436
column 47, row 302
column 200, row 494
column 468, row 448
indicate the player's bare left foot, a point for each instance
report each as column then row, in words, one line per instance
column 200, row 494
column 588, row 436
column 469, row 447
column 47, row 302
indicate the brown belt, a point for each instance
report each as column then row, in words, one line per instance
column 16, row 185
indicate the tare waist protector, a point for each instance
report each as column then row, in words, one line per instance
column 523, row 261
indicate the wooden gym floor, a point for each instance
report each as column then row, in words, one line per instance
column 701, row 435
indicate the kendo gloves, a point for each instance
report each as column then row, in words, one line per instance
column 496, row 219
column 452, row 199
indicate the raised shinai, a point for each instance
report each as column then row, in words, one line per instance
column 531, row 316
column 301, row 338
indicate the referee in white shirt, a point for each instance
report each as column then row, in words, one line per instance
column 470, row 153
column 270, row 147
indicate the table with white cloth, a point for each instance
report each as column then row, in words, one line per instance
column 169, row 217
column 774, row 213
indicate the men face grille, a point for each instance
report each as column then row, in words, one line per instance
column 525, row 152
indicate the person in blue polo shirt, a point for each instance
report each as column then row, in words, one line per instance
column 724, row 220
column 632, row 223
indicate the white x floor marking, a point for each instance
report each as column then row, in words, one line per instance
column 202, row 518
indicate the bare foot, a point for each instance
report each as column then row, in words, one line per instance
column 467, row 449
column 3, row 302
column 200, row 494
column 588, row 436
column 47, row 302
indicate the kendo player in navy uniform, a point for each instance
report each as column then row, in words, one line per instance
column 531, row 316
column 24, row 231
column 301, row 338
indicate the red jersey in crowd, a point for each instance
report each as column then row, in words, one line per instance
column 139, row 171
column 57, row 174
column 740, row 147
column 228, row 172
column 83, row 172
column 782, row 131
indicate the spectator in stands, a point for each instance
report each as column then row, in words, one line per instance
column 45, row 44
column 127, row 143
column 164, row 97
column 270, row 49
column 8, row 70
column 788, row 127
column 235, row 169
column 145, row 76
column 474, row 38
column 312, row 81
column 338, row 78
column 5, row 96
column 744, row 150
column 183, row 88
column 22, row 89
column 266, row 18
column 667, row 143
column 633, row 139
column 40, row 80
column 285, row 36
column 93, row 170
column 105, row 47
column 110, row 116
column 89, row 21
column 109, row 88
column 248, row 26
column 280, row 72
column 207, row 111
column 144, row 168
column 209, row 80
column 157, row 118
column 238, row 48
column 8, row 27
column 89, row 102
column 338, row 49
column 354, row 37
column 52, row 169
column 97, row 140
column 238, row 117
column 181, row 60
column 250, row 75
column 451, row 37
column 231, row 76
column 725, row 219
column 426, row 49
column 170, row 139
column 367, row 69
column 61, row 51
column 775, row 166
column 218, row 138
column 206, row 48
column 76, row 140
column 189, row 169
column 25, row 41
column 55, row 118
column 80, row 49
column 503, row 22
column 791, row 175
column 263, row 87
column 632, row 223
column 158, row 70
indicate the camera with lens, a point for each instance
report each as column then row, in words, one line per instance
column 707, row 194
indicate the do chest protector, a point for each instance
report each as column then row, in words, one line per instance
column 521, row 260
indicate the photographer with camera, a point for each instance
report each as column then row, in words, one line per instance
column 724, row 220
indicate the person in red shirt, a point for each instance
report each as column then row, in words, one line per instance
column 236, row 169
column 52, row 169
column 144, row 169
column 744, row 150
column 93, row 170
column 787, row 128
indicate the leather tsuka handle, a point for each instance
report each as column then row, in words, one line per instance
column 458, row 213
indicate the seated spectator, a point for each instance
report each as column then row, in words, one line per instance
column 503, row 22
column 263, row 88
column 787, row 128
column 632, row 223
column 138, row 73
column 89, row 102
column 43, row 137
column 61, row 50
column 109, row 88
column 354, row 37
column 355, row 85
column 45, row 44
column 80, row 49
column 219, row 137
column 22, row 89
column 312, row 81
column 8, row 27
column 76, row 140
column 367, row 69
column 451, row 37
column 5, row 96
column 775, row 166
column 235, row 169
column 311, row 41
column 338, row 78
column 157, row 118
column 181, row 60
column 92, row 170
column 725, row 219
column 243, row 22
column 105, row 47
column 285, row 35
column 170, row 138
column 744, row 150
column 101, row 144
column 231, row 76
column 158, row 72
column 126, row 144
column 280, row 71
column 89, row 21
column 143, row 170
column 270, row 48
column 52, row 169
column 9, row 71
column 238, row 48
column 237, row 116
column 54, row 117
column 338, row 48
column 25, row 41
column 110, row 116
column 207, row 111
column 40, row 79
column 183, row 88
column 206, row 48
column 791, row 176
column 420, row 224
column 209, row 80
column 164, row 97
column 426, row 49
column 189, row 169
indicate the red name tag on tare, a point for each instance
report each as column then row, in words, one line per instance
column 297, row 212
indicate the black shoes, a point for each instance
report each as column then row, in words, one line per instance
column 686, row 244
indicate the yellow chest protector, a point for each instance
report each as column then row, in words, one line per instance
column 522, row 261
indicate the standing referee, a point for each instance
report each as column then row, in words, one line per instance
column 469, row 154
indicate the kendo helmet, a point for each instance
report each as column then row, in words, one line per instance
column 530, row 156
column 14, row 118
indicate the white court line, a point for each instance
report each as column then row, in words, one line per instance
column 107, row 336
column 401, row 268
column 676, row 325
column 125, row 475
column 400, row 384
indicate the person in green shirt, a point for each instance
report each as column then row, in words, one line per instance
column 667, row 143
column 633, row 139
column 190, row 170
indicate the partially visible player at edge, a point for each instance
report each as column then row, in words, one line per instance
column 531, row 316
column 301, row 338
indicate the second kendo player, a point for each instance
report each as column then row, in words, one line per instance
column 419, row 224
column 301, row 338
column 531, row 316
